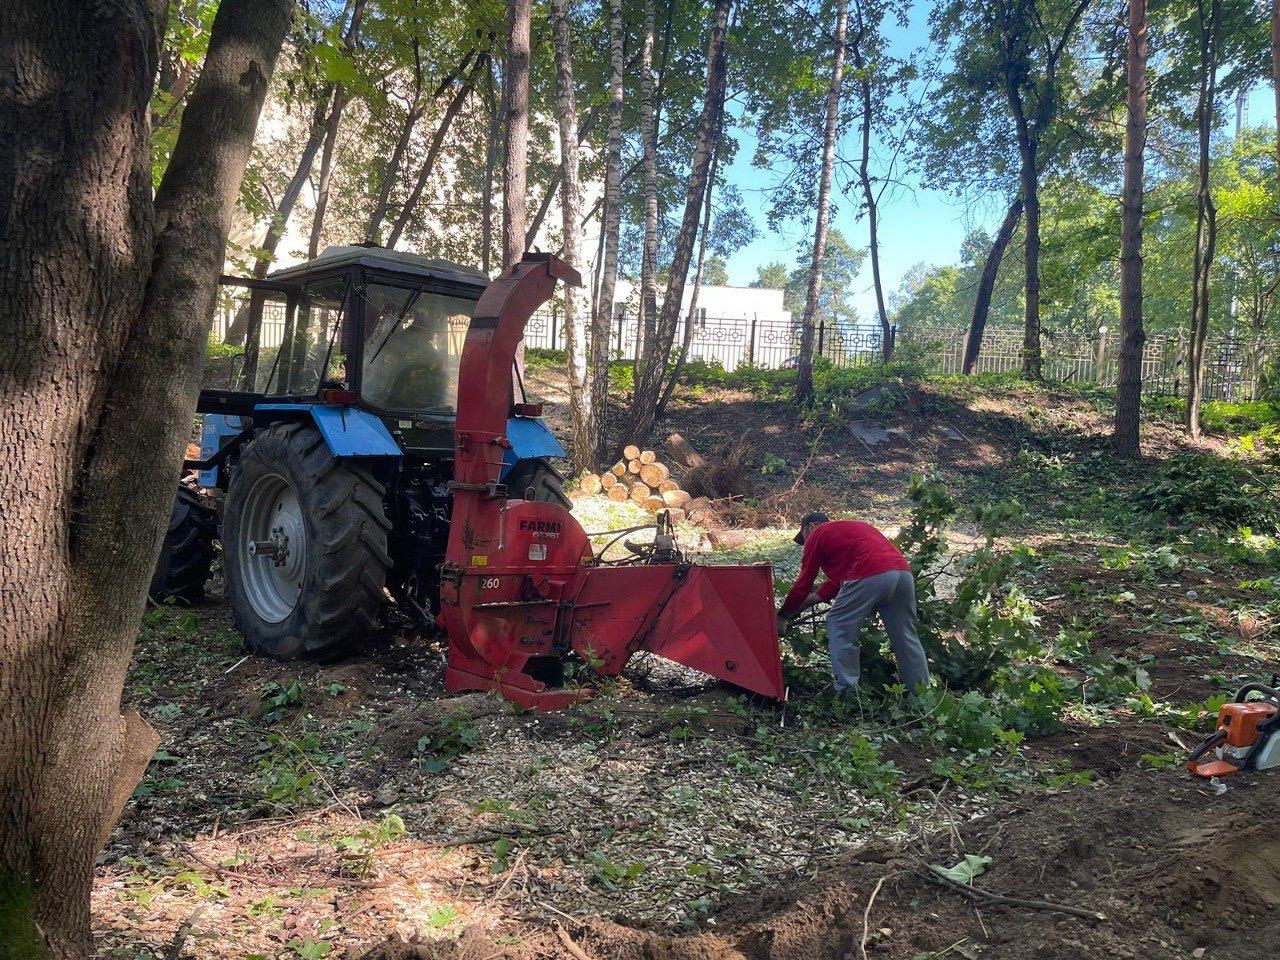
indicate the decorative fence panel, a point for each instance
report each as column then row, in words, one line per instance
column 774, row 343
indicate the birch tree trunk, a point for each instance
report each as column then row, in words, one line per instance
column 649, row 153
column 515, row 80
column 987, row 285
column 1206, row 215
column 652, row 379
column 575, row 317
column 1124, row 438
column 611, row 220
column 809, row 324
column 109, row 293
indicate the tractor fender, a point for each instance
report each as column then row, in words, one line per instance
column 352, row 432
column 530, row 439
column 347, row 431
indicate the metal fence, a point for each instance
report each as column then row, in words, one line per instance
column 774, row 343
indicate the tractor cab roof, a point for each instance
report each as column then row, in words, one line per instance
column 380, row 258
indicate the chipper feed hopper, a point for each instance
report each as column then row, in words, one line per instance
column 521, row 590
column 373, row 454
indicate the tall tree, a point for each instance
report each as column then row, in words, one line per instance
column 110, row 289
column 515, row 96
column 653, row 374
column 1275, row 70
column 1208, row 21
column 987, row 285
column 602, row 320
column 649, row 155
column 575, row 317
column 1124, row 438
column 808, row 329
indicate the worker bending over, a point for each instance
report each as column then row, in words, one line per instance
column 866, row 574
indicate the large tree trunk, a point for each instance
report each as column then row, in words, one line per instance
column 650, row 384
column 1124, row 438
column 602, row 322
column 869, row 198
column 108, row 297
column 515, row 87
column 1206, row 215
column 465, row 86
column 649, row 155
column 575, row 317
column 809, row 324
column 987, row 285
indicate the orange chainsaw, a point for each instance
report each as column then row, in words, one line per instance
column 1246, row 738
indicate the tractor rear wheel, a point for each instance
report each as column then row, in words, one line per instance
column 304, row 540
column 182, row 569
column 536, row 479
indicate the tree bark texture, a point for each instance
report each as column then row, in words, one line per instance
column 109, row 295
column 987, row 285
column 602, row 322
column 490, row 168
column 1275, row 69
column 649, row 155
column 1206, row 214
column 652, row 378
column 515, row 79
column 575, row 317
column 1124, row 438
column 809, row 324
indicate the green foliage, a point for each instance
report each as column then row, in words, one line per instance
column 279, row 699
column 1216, row 492
column 450, row 739
column 612, row 875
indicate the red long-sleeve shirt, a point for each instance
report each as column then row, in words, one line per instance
column 843, row 550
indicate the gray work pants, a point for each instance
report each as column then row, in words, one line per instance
column 892, row 595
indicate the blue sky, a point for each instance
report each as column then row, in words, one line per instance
column 916, row 225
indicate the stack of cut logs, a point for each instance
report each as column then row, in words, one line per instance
column 640, row 477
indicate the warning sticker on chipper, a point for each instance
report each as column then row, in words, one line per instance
column 479, row 560
column 537, row 551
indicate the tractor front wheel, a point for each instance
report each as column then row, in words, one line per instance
column 304, row 539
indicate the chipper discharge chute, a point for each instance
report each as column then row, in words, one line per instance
column 522, row 593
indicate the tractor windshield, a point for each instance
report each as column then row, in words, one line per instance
column 412, row 346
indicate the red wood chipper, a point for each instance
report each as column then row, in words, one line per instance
column 522, row 591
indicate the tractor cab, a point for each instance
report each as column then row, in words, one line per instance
column 366, row 327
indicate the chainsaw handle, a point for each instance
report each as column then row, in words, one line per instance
column 1270, row 693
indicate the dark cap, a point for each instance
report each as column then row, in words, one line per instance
column 816, row 517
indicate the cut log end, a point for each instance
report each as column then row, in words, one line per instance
column 617, row 492
column 619, row 469
column 654, row 473
column 640, row 493
column 633, row 466
column 608, row 480
column 648, row 456
column 631, row 452
column 590, row 483
column 667, row 485
column 676, row 498
column 653, row 504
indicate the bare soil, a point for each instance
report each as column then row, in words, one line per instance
column 369, row 815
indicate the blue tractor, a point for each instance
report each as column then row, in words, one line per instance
column 333, row 457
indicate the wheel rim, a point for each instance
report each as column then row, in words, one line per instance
column 273, row 548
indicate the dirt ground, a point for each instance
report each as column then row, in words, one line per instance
column 300, row 810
